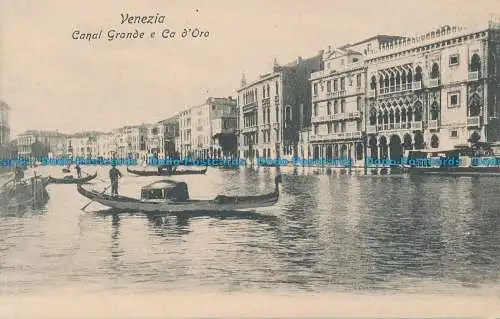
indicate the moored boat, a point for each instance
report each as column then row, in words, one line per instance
column 71, row 180
column 164, row 172
column 26, row 192
column 461, row 161
column 169, row 196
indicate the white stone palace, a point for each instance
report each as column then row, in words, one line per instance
column 432, row 91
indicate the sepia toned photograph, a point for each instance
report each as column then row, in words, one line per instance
column 249, row 159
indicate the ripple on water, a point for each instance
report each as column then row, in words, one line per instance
column 331, row 233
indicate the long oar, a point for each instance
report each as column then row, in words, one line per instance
column 10, row 180
column 105, row 189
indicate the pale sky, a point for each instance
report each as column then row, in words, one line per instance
column 54, row 82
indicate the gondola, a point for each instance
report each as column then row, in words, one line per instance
column 71, row 180
column 167, row 196
column 163, row 172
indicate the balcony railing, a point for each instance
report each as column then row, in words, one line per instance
column 473, row 76
column 399, row 126
column 433, row 124
column 266, row 101
column 473, row 121
column 371, row 129
column 336, row 136
column 433, row 83
column 336, row 117
column 417, row 85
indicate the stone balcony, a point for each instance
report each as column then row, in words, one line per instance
column 336, row 117
column 417, row 85
column 371, row 129
column 389, row 127
column 433, row 125
column 249, row 106
column 396, row 88
column 249, row 129
column 372, row 93
column 473, row 121
column 433, row 83
column 335, row 136
column 473, row 76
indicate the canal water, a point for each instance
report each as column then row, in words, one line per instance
column 328, row 233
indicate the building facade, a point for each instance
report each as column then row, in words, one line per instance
column 170, row 135
column 338, row 99
column 274, row 109
column 106, row 146
column 4, row 123
column 223, row 119
column 35, row 143
column 435, row 91
column 130, row 141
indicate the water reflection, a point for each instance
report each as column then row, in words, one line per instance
column 327, row 233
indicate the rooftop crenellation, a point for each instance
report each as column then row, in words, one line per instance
column 443, row 33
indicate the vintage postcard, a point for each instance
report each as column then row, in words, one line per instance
column 249, row 159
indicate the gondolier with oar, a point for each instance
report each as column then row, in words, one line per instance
column 78, row 170
column 114, row 175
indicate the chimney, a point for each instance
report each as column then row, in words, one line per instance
column 299, row 59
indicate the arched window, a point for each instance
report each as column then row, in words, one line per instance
column 418, row 74
column 434, row 141
column 435, row 71
column 373, row 84
column 475, row 63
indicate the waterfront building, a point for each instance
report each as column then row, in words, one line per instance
column 196, row 133
column 35, row 143
column 155, row 140
column 4, row 123
column 183, row 143
column 130, row 141
column 106, row 145
column 170, row 134
column 338, row 99
column 223, row 127
column 433, row 91
column 83, row 144
column 5, row 147
column 274, row 108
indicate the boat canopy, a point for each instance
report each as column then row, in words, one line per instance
column 165, row 189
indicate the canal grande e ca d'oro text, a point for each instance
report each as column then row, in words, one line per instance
column 113, row 34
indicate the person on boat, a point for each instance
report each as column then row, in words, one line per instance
column 114, row 175
column 78, row 171
column 18, row 174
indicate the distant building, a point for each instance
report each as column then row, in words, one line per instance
column 224, row 123
column 4, row 123
column 433, row 91
column 197, row 137
column 275, row 108
column 130, row 141
column 35, row 143
column 170, row 135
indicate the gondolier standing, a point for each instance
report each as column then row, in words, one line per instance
column 78, row 171
column 114, row 175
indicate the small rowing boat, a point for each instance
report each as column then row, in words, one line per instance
column 71, row 180
column 170, row 196
column 163, row 172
